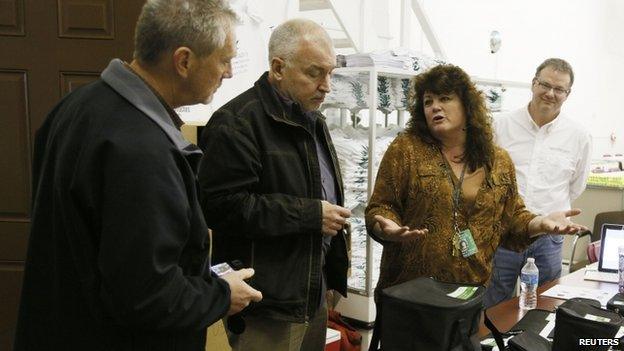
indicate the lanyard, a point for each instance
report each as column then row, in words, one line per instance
column 457, row 190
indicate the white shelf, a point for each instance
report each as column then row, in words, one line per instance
column 403, row 73
column 379, row 70
column 359, row 307
column 500, row 83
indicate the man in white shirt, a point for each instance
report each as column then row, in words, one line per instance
column 551, row 154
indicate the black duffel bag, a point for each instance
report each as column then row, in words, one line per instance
column 425, row 314
column 581, row 326
column 524, row 335
column 528, row 341
column 616, row 304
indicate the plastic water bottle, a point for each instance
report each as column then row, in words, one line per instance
column 529, row 278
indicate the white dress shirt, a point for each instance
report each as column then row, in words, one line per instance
column 552, row 161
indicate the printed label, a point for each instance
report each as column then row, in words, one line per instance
column 488, row 342
column 529, row 279
column 591, row 317
column 463, row 293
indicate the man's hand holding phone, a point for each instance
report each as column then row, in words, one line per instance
column 241, row 294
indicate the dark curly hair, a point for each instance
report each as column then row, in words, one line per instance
column 445, row 79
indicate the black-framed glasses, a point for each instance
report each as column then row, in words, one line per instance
column 546, row 88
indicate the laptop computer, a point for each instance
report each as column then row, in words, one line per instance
column 612, row 237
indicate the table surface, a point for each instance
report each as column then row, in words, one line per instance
column 507, row 313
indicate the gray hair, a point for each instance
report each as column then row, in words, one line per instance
column 163, row 25
column 557, row 64
column 286, row 38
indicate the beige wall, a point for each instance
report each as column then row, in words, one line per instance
column 190, row 133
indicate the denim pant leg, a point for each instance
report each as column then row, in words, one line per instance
column 547, row 253
column 507, row 267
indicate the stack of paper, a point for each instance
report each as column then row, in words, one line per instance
column 400, row 58
column 565, row 292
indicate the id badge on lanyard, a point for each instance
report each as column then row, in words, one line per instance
column 463, row 242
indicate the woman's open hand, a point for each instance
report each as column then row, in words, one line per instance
column 556, row 223
column 387, row 229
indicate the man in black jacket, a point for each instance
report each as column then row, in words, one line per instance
column 271, row 189
column 117, row 257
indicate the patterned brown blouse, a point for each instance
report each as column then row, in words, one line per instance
column 413, row 189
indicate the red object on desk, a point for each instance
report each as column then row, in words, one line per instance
column 350, row 339
column 332, row 340
column 593, row 251
column 507, row 313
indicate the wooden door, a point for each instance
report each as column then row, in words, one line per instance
column 47, row 49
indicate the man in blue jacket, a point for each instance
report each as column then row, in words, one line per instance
column 272, row 191
column 118, row 249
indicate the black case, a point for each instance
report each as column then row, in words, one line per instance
column 418, row 315
column 616, row 304
column 528, row 341
column 571, row 326
column 531, row 324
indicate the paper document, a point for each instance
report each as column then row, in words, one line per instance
column 566, row 292
column 547, row 329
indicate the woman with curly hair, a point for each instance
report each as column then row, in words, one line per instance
column 445, row 196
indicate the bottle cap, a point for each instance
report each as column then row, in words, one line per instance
column 531, row 260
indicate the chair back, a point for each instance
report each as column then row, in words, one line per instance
column 614, row 217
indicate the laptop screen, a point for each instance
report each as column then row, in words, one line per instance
column 612, row 237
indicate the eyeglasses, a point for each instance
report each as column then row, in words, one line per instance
column 546, row 88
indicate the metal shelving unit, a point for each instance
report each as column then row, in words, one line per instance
column 360, row 304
